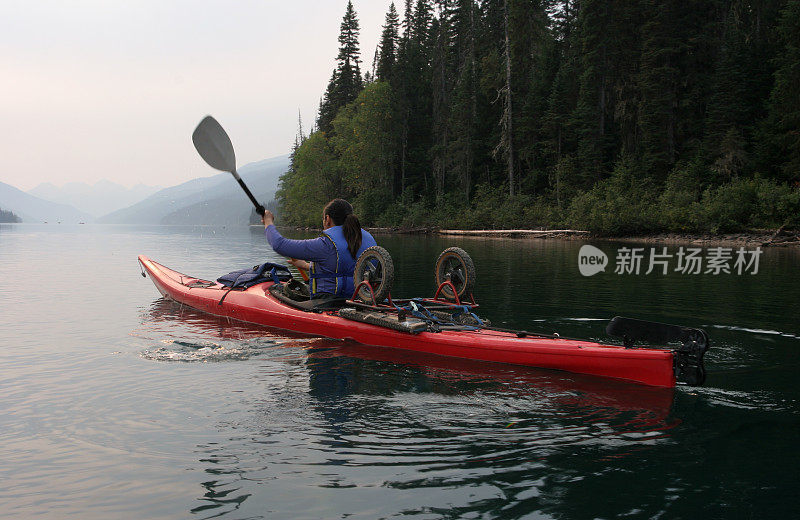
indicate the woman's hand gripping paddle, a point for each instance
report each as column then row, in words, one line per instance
column 303, row 272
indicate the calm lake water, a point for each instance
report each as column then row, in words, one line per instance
column 118, row 404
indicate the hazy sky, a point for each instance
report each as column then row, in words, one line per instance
column 93, row 89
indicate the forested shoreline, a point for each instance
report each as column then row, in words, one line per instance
column 616, row 117
column 8, row 217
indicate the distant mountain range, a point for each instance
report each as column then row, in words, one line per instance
column 208, row 200
column 97, row 199
column 34, row 209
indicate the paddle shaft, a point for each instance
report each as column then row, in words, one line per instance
column 303, row 272
column 259, row 208
column 213, row 144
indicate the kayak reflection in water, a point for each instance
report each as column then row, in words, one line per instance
column 330, row 259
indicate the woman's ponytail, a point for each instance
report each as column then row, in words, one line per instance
column 341, row 213
column 352, row 233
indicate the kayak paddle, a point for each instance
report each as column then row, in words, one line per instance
column 214, row 146
column 216, row 149
column 302, row 272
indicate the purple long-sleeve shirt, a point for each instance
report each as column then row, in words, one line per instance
column 320, row 250
column 313, row 249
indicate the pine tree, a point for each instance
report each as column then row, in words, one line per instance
column 659, row 81
column 489, row 40
column 329, row 104
column 421, row 23
column 506, row 144
column 387, row 49
column 463, row 105
column 349, row 52
column 408, row 16
column 581, row 101
column 8, row 217
column 301, row 136
column 534, row 66
column 783, row 124
column 741, row 80
column 562, row 96
column 441, row 36
column 346, row 81
column 413, row 91
column 607, row 42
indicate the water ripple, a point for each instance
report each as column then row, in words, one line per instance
column 207, row 351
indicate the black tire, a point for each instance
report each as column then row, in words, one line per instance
column 375, row 266
column 454, row 264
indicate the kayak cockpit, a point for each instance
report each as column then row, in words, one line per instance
column 280, row 293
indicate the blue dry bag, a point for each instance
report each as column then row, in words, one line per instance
column 245, row 278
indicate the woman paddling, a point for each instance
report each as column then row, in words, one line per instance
column 331, row 258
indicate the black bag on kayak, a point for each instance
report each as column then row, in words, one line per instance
column 244, row 278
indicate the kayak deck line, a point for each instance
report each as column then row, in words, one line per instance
column 256, row 304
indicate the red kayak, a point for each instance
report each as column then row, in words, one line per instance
column 261, row 304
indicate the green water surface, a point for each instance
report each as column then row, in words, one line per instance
column 119, row 404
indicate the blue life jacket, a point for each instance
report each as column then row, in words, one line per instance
column 341, row 283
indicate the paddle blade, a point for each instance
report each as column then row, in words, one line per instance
column 214, row 145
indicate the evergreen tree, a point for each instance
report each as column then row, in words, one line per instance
column 441, row 36
column 301, row 136
column 414, row 101
column 8, row 217
column 489, row 43
column 387, row 49
column 408, row 16
column 464, row 97
column 607, row 41
column 346, row 81
column 782, row 149
column 742, row 78
column 328, row 105
column 611, row 113
column 659, row 82
column 506, row 144
column 421, row 23
column 534, row 63
column 727, row 110
column 558, row 143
